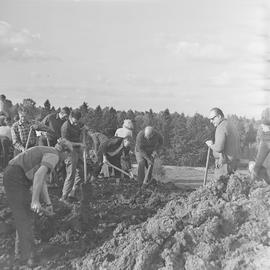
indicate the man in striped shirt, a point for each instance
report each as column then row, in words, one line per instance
column 23, row 128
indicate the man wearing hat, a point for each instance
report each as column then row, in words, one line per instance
column 31, row 168
column 226, row 148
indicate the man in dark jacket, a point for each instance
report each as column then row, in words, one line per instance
column 226, row 148
column 72, row 131
column 148, row 142
column 116, row 151
column 54, row 121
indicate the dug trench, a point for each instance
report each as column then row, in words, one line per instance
column 224, row 225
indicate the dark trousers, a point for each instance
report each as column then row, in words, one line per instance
column 116, row 161
column 5, row 151
column 74, row 174
column 263, row 152
column 17, row 188
column 142, row 164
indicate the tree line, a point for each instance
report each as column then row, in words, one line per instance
column 184, row 136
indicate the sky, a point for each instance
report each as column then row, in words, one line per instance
column 185, row 55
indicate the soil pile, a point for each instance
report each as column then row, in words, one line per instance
column 222, row 226
column 66, row 236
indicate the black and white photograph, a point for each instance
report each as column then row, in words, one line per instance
column 135, row 134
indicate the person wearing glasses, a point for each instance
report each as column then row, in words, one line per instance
column 226, row 148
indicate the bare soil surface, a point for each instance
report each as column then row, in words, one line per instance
column 224, row 225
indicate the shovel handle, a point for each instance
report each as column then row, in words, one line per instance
column 28, row 138
column 120, row 170
column 206, row 166
column 145, row 180
column 84, row 159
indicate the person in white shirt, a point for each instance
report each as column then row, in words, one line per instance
column 126, row 130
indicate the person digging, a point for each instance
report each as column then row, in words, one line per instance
column 116, row 152
column 29, row 169
column 148, row 142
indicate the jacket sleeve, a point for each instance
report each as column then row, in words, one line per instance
column 159, row 142
column 139, row 146
column 43, row 127
column 16, row 138
column 220, row 139
column 45, row 120
column 64, row 131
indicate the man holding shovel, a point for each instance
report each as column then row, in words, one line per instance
column 148, row 142
column 226, row 148
column 31, row 168
column 116, row 152
column 23, row 132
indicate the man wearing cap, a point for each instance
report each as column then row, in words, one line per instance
column 148, row 142
column 31, row 168
column 54, row 121
column 226, row 148
column 258, row 169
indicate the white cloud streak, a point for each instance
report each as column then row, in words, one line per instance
column 19, row 45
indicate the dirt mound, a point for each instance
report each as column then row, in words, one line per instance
column 224, row 225
column 113, row 209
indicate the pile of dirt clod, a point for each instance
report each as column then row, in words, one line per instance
column 224, row 225
column 65, row 238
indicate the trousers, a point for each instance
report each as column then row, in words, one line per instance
column 17, row 188
column 142, row 164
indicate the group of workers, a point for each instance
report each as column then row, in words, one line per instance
column 63, row 139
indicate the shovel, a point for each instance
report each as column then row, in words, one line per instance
column 118, row 169
column 28, row 138
column 206, row 166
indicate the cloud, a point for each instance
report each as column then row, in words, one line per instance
column 20, row 45
column 141, row 81
column 221, row 79
column 198, row 50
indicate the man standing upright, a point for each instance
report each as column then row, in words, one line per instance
column 148, row 142
column 54, row 121
column 226, row 148
column 72, row 131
